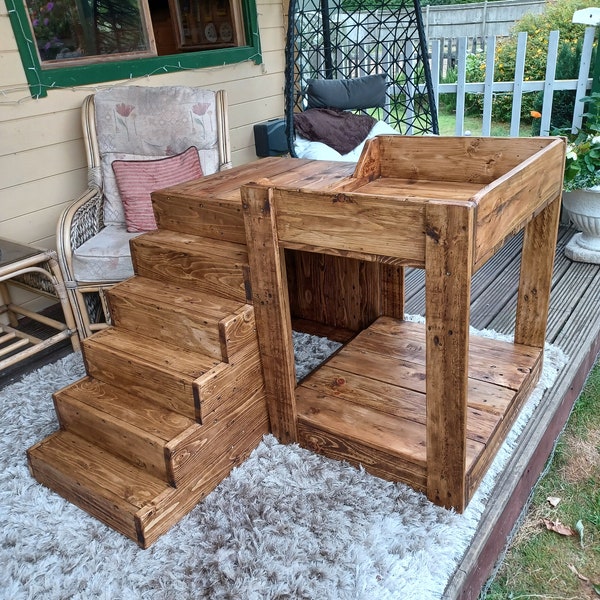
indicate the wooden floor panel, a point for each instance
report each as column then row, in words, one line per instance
column 371, row 395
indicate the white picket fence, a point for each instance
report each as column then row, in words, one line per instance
column 489, row 88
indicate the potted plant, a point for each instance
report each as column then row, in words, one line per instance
column 581, row 196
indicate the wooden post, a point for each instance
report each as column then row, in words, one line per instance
column 392, row 290
column 271, row 305
column 448, row 257
column 537, row 261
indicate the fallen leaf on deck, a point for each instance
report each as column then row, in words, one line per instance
column 578, row 574
column 553, row 501
column 558, row 527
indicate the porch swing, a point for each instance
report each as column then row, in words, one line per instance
column 355, row 69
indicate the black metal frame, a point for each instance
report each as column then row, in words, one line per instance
column 342, row 39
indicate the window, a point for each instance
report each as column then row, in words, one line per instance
column 78, row 42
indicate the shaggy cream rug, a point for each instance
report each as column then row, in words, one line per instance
column 287, row 524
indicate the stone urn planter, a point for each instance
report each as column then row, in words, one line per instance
column 583, row 209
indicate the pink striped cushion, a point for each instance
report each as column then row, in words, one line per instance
column 137, row 179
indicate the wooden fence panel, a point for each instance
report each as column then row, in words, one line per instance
column 490, row 88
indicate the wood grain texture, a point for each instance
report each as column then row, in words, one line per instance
column 533, row 298
column 351, row 223
column 512, row 200
column 211, row 266
column 170, row 313
column 336, row 291
column 426, row 158
column 368, row 403
column 153, row 370
column 448, row 283
column 271, row 304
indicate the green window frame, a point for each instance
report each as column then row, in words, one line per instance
column 40, row 79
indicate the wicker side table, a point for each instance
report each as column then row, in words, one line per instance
column 38, row 271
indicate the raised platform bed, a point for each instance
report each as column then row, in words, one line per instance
column 442, row 204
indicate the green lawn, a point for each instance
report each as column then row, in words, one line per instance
column 542, row 563
column 447, row 123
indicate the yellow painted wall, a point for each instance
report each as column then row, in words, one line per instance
column 42, row 160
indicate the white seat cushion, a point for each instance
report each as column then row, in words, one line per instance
column 105, row 257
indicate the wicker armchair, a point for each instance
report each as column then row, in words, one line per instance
column 129, row 123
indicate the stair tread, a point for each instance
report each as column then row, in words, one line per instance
column 162, row 356
column 202, row 304
column 98, row 473
column 120, row 405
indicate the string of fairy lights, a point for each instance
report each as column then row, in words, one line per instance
column 32, row 59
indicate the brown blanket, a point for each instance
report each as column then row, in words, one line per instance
column 339, row 129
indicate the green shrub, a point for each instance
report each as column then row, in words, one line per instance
column 557, row 16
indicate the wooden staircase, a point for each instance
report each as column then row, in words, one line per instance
column 174, row 395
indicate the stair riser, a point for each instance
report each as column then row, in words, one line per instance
column 216, row 220
column 166, row 323
column 57, row 480
column 171, row 390
column 211, row 274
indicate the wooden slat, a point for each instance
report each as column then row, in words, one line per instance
column 223, row 386
column 420, row 157
column 154, row 370
column 410, row 188
column 351, row 224
column 492, row 361
column 237, row 335
column 156, row 518
column 211, row 206
column 508, row 203
column 392, row 290
column 199, row 446
column 311, row 279
column 363, row 388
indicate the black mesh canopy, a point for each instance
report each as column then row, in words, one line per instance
column 349, row 39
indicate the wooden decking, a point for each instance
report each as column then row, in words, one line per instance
column 574, row 326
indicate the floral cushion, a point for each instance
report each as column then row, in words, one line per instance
column 137, row 123
column 137, row 179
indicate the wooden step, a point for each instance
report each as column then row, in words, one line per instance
column 148, row 368
column 142, row 432
column 108, row 487
column 173, row 314
column 367, row 404
column 186, row 382
column 131, row 500
column 214, row 266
